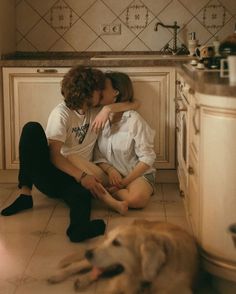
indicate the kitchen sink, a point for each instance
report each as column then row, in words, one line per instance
column 138, row 57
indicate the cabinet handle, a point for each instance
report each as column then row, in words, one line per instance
column 180, row 109
column 197, row 130
column 181, row 194
column 190, row 170
column 47, row 70
column 191, row 91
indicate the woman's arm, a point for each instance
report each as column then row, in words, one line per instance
column 138, row 171
column 102, row 117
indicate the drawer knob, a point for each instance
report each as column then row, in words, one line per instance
column 181, row 194
column 190, row 170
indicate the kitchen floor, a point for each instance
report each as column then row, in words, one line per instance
column 34, row 241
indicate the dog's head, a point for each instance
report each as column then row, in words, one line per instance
column 136, row 250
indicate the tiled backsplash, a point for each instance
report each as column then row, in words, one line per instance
column 77, row 25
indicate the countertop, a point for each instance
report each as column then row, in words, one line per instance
column 206, row 82
column 97, row 59
column 202, row 81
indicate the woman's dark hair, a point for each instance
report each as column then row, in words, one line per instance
column 121, row 82
column 78, row 86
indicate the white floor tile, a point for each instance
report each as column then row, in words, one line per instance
column 6, row 287
column 171, row 193
column 16, row 250
column 5, row 192
column 174, row 209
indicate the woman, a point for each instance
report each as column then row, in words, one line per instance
column 124, row 149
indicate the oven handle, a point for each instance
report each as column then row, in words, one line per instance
column 197, row 130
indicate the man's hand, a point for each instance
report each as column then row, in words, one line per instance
column 101, row 119
column 93, row 185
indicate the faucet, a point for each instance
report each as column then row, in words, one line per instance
column 175, row 27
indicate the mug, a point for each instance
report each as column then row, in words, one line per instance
column 231, row 61
column 204, row 51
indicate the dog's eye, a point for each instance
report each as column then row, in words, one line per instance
column 115, row 242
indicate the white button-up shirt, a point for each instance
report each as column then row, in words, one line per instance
column 125, row 143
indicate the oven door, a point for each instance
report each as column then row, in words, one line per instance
column 182, row 135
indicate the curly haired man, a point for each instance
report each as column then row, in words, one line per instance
column 43, row 157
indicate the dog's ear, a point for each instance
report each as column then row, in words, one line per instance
column 153, row 253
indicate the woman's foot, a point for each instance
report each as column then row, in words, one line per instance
column 122, row 207
column 23, row 202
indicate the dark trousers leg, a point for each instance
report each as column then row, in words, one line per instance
column 36, row 168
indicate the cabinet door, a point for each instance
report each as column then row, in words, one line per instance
column 154, row 87
column 29, row 95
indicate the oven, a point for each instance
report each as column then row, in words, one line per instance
column 182, row 134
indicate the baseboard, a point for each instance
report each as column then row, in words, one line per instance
column 163, row 176
column 8, row 176
column 167, row 176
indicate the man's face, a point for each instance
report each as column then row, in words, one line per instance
column 97, row 96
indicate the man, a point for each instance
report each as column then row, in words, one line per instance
column 43, row 157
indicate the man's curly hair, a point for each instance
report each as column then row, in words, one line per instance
column 79, row 84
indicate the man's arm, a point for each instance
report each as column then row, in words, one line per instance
column 88, row 181
column 102, row 117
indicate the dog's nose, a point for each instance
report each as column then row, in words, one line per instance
column 89, row 254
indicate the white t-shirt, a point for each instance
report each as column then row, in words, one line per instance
column 73, row 129
column 125, row 143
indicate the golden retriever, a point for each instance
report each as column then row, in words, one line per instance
column 151, row 257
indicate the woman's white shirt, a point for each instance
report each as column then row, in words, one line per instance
column 125, row 143
column 73, row 129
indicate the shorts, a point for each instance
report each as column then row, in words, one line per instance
column 151, row 179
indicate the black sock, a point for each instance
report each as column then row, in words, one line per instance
column 93, row 229
column 21, row 203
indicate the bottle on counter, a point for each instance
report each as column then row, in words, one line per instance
column 192, row 43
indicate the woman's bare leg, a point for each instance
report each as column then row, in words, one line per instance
column 90, row 168
column 136, row 194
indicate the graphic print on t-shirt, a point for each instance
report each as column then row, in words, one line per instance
column 80, row 132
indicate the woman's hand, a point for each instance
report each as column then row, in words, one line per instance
column 93, row 185
column 115, row 177
column 101, row 119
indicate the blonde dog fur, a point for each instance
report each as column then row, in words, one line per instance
column 157, row 257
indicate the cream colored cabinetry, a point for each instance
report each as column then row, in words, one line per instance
column 211, row 184
column 31, row 93
column 154, row 87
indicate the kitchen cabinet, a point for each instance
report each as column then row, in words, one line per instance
column 31, row 93
column 211, row 170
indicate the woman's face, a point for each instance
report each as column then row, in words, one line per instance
column 108, row 94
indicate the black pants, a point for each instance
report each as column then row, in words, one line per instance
column 37, row 169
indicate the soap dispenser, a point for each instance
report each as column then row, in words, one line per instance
column 192, row 43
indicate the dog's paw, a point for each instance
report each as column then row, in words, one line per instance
column 81, row 284
column 54, row 279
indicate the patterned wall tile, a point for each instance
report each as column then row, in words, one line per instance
column 80, row 6
column 80, row 36
column 41, row 6
column 39, row 39
column 74, row 25
column 26, row 17
column 98, row 14
column 213, row 16
column 137, row 16
column 118, row 6
column 156, row 6
column 155, row 40
column 175, row 11
column 61, row 17
column 194, row 6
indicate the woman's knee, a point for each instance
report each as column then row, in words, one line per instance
column 138, row 200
